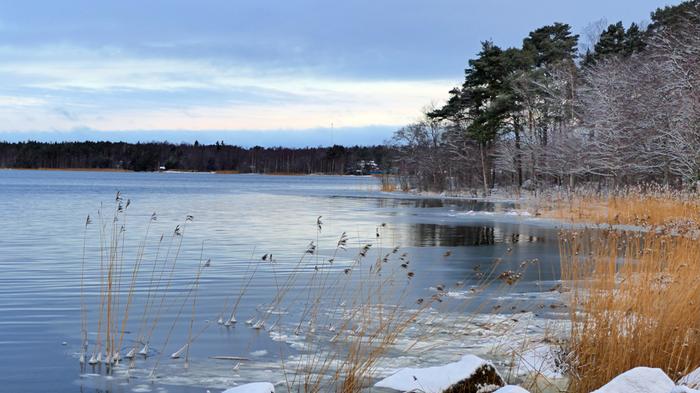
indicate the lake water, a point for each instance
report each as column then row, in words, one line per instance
column 235, row 221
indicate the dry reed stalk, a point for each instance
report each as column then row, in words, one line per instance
column 634, row 301
column 637, row 206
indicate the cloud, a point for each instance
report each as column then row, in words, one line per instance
column 251, row 65
column 107, row 89
column 20, row 102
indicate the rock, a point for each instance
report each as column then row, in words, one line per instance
column 639, row 380
column 469, row 375
column 256, row 387
column 528, row 185
column 484, row 380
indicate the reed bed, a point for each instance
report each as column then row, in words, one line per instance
column 640, row 206
column 389, row 183
column 633, row 294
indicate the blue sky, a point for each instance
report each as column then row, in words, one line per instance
column 293, row 73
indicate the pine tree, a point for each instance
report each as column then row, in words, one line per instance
column 551, row 44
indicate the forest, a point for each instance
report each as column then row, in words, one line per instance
column 188, row 157
column 619, row 106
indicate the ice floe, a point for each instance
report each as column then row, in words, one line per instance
column 255, row 387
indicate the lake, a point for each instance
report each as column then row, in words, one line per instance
column 235, row 222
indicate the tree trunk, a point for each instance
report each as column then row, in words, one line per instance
column 483, row 169
column 518, row 158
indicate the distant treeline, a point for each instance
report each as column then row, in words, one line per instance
column 188, row 157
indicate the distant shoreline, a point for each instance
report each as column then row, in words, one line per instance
column 221, row 172
column 68, row 169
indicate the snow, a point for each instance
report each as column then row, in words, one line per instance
column 692, row 380
column 256, row 387
column 684, row 389
column 511, row 389
column 518, row 213
column 639, row 380
column 539, row 360
column 432, row 379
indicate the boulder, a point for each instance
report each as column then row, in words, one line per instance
column 639, row 380
column 469, row 375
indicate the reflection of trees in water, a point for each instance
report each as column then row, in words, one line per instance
column 428, row 235
column 520, row 238
column 432, row 235
column 460, row 204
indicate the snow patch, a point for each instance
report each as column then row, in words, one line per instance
column 540, row 360
column 684, row 389
column 691, row 380
column 511, row 389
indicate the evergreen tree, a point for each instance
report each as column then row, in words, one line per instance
column 551, row 44
column 611, row 41
column 634, row 40
column 671, row 16
column 616, row 41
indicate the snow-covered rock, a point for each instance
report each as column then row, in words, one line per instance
column 691, row 380
column 684, row 389
column 511, row 389
column 470, row 370
column 255, row 387
column 639, row 380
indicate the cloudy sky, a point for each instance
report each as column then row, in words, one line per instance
column 283, row 72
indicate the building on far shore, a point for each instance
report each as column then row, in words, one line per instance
column 367, row 167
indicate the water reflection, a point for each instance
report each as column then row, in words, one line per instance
column 435, row 203
column 442, row 235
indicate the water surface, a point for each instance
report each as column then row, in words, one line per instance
column 236, row 219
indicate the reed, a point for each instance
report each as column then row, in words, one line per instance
column 119, row 277
column 352, row 316
column 633, row 293
column 640, row 206
column 388, row 183
column 348, row 304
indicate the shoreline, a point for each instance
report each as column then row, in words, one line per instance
column 220, row 172
column 67, row 169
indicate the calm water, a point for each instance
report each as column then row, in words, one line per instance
column 237, row 218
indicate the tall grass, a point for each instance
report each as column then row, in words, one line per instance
column 635, row 294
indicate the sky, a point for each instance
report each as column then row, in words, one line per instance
column 271, row 73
